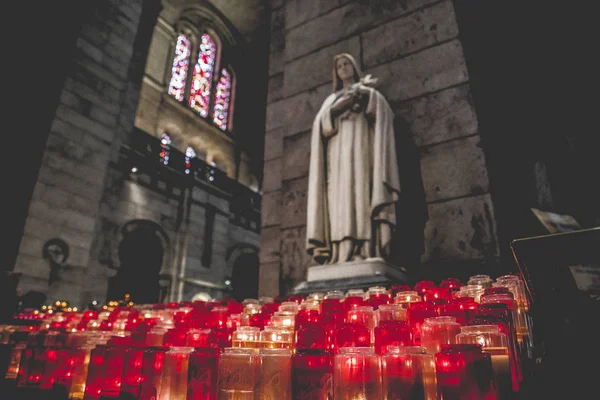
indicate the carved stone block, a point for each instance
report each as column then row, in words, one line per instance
column 429, row 70
column 273, row 144
column 271, row 208
column 272, row 175
column 453, row 169
column 299, row 11
column 343, row 22
column 441, row 116
column 296, row 155
column 268, row 279
column 315, row 68
column 270, row 242
column 408, row 34
column 294, row 258
column 275, row 88
column 293, row 203
column 461, row 229
column 296, row 114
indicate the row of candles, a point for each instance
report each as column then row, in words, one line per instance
column 448, row 341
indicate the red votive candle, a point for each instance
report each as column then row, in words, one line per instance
column 202, row 374
column 453, row 284
column 415, row 315
column 152, row 367
column 357, row 374
column 351, row 335
column 391, row 333
column 464, row 372
column 312, row 365
column 421, row 287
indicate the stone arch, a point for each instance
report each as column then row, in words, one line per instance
column 242, row 265
column 144, row 252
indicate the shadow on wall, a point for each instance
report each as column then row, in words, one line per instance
column 411, row 209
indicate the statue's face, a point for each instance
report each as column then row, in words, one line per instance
column 344, row 69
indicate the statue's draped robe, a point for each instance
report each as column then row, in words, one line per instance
column 353, row 177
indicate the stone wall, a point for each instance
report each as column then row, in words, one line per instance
column 91, row 119
column 84, row 195
column 412, row 46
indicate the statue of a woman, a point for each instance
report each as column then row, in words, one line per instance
column 353, row 178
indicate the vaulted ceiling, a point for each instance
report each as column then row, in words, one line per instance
column 245, row 15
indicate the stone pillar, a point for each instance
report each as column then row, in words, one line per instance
column 95, row 113
column 414, row 50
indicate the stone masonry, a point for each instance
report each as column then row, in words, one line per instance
column 412, row 46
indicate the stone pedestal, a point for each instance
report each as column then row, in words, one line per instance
column 351, row 275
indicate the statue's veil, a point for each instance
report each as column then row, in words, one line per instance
column 337, row 82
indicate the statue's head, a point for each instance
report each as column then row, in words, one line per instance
column 344, row 67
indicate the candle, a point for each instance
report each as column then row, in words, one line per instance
column 357, row 374
column 275, row 374
column 246, row 336
column 238, row 372
column 409, row 373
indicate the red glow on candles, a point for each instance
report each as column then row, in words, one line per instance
column 422, row 286
column 392, row 333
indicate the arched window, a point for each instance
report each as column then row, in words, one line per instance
column 210, row 101
column 189, row 154
column 165, row 149
column 203, row 74
column 222, row 100
column 180, row 67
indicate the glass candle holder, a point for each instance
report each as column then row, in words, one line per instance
column 310, row 305
column 131, row 377
column 501, row 315
column 289, row 306
column 238, row 374
column 461, row 308
column 364, row 315
column 246, row 336
column 284, row 319
column 474, row 291
column 415, row 316
column 202, row 374
column 409, row 373
column 483, row 280
column 152, row 367
column 392, row 333
column 175, row 374
column 277, row 337
column 351, row 335
column 335, row 294
column 275, row 374
column 391, row 312
column 438, row 331
column 453, row 284
column 93, row 383
column 422, row 286
column 495, row 343
column 307, row 317
column 464, row 372
column 318, row 296
column 80, row 372
column 407, row 297
column 312, row 372
column 357, row 374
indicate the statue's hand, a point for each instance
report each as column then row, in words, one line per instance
column 343, row 103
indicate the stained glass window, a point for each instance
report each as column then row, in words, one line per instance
column 202, row 78
column 222, row 100
column 189, row 154
column 180, row 67
column 165, row 149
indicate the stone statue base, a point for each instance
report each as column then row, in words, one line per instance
column 351, row 275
